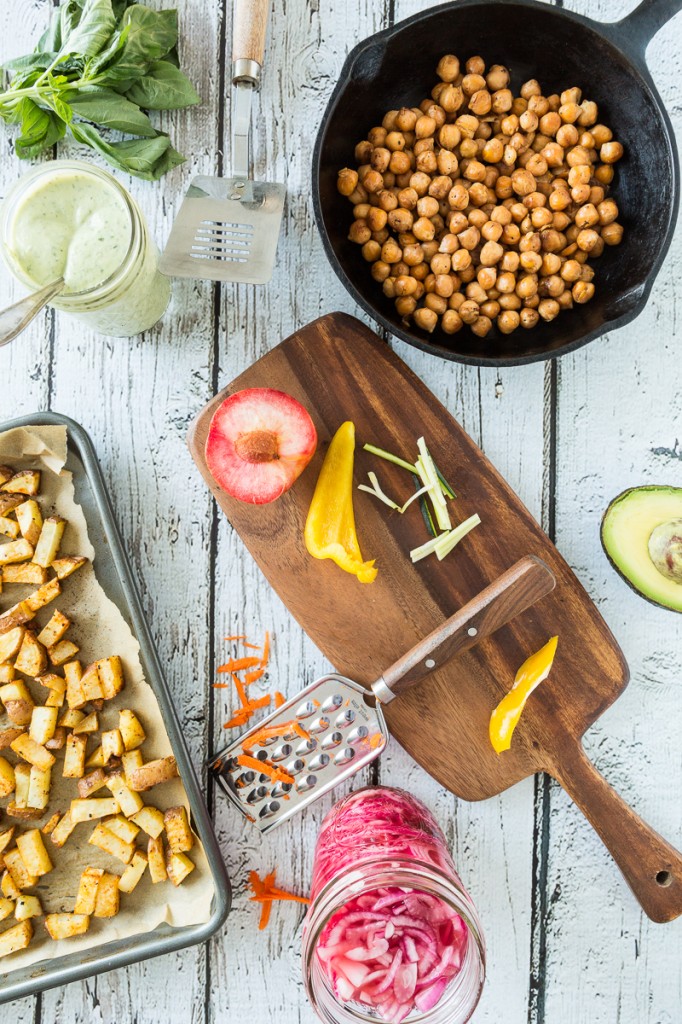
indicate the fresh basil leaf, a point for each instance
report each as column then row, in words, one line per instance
column 51, row 38
column 151, row 34
column 140, row 157
column 164, row 87
column 70, row 14
column 170, row 159
column 107, row 108
column 58, row 104
column 119, row 6
column 31, row 62
column 40, row 129
column 93, row 31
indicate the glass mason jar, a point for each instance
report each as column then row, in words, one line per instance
column 381, row 838
column 132, row 294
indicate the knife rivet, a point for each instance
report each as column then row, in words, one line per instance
column 472, row 631
column 430, row 663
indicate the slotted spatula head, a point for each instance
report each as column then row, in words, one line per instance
column 344, row 733
column 226, row 230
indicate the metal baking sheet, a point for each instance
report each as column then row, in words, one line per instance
column 115, row 576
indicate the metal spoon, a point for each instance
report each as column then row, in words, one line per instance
column 15, row 318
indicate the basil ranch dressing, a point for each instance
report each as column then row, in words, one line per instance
column 72, row 220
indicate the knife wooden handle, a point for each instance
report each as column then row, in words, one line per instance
column 249, row 25
column 510, row 594
column 651, row 866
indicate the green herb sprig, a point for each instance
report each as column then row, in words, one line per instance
column 99, row 66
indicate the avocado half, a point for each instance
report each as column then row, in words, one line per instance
column 641, row 533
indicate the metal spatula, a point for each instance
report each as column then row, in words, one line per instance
column 337, row 726
column 227, row 228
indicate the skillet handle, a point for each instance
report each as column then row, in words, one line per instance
column 651, row 866
column 510, row 594
column 249, row 25
column 637, row 29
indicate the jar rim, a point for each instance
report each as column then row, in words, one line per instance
column 54, row 167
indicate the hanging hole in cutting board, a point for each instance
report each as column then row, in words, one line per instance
column 664, row 879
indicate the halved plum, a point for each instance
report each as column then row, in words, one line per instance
column 259, row 442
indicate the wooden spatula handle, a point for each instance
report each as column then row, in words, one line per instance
column 249, row 25
column 652, row 867
column 509, row 595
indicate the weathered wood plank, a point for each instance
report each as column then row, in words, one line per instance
column 619, row 402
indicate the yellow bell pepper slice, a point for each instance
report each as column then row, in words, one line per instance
column 506, row 715
column 330, row 526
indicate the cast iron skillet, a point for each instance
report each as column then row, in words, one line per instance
column 535, row 40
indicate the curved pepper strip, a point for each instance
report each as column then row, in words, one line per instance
column 330, row 526
column 506, row 715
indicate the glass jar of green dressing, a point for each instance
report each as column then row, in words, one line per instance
column 70, row 219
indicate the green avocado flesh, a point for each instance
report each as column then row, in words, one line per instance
column 641, row 534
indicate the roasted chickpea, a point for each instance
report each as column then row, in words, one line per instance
column 472, row 83
column 420, row 182
column 549, row 309
column 461, row 260
column 527, row 286
column 458, row 197
column 510, row 261
column 502, row 101
column 569, row 112
column 528, row 318
column 550, row 123
column 506, row 282
column 480, row 103
column 567, row 136
column 582, row 291
column 425, row 318
column 482, row 326
column 347, row 181
column 610, row 152
column 523, row 182
column 435, row 302
column 475, row 171
column 359, row 232
column 511, row 235
column 601, row 134
column 530, row 88
column 604, row 174
column 451, row 321
column 469, row 311
column 391, row 251
column 468, row 125
column 497, row 77
column 552, row 286
column 447, row 68
column 508, row 321
column 447, row 162
column 388, row 121
column 376, row 218
column 371, row 251
column 587, row 239
column 612, row 234
column 491, row 230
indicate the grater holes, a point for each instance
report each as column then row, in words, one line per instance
column 319, row 762
column 295, row 767
column 257, row 794
column 306, row 783
column 280, row 789
column 319, row 725
column 345, row 719
column 332, row 740
column 361, row 733
column 306, row 747
column 344, row 756
column 245, row 779
column 333, row 702
column 268, row 809
column 306, row 709
column 281, row 752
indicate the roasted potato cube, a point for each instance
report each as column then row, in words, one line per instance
column 178, row 832
column 6, row 777
column 54, row 699
column 27, row 907
column 152, row 773
column 39, row 788
column 112, row 844
column 63, row 651
column 49, row 825
column 74, row 758
column 134, row 872
column 7, row 907
column 23, row 813
column 59, row 738
column 111, row 676
column 43, row 724
column 22, row 783
column 7, row 673
column 10, row 643
column 32, row 656
column 49, row 541
column 90, row 783
column 15, row 551
column 157, row 860
column 26, row 481
column 17, row 615
column 18, row 702
column 88, row 725
column 16, row 938
column 6, row 838
column 8, row 528
column 130, row 760
column 122, row 828
column 65, row 566
column 52, row 633
column 5, row 473
column 87, row 891
column 150, row 820
column 8, row 888
column 21, row 876
column 71, row 718
column 52, row 682
column 62, row 830
column 107, row 901
column 34, row 753
column 131, row 730
column 96, row 759
column 129, row 802
column 43, row 595
column 178, row 866
column 91, row 686
column 29, row 520
column 33, row 853
column 112, row 744
column 8, row 503
column 89, row 810
column 66, row 926
column 7, row 735
column 25, row 572
column 73, row 674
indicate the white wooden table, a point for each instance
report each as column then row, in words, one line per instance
column 567, row 943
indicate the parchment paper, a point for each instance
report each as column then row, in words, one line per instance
column 100, row 631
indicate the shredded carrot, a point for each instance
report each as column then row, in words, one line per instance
column 303, row 733
column 221, row 686
column 237, row 664
column 251, row 677
column 266, row 893
column 276, row 773
column 241, row 690
column 229, row 639
column 253, row 647
column 375, row 741
column 240, row 718
column 262, row 702
column 266, row 649
column 279, row 699
column 316, row 703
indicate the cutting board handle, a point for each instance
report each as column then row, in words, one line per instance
column 651, row 866
column 518, row 588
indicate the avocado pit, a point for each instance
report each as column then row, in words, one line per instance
column 257, row 446
column 665, row 549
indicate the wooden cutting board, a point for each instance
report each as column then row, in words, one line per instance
column 339, row 370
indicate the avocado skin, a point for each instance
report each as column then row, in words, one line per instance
column 654, row 490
